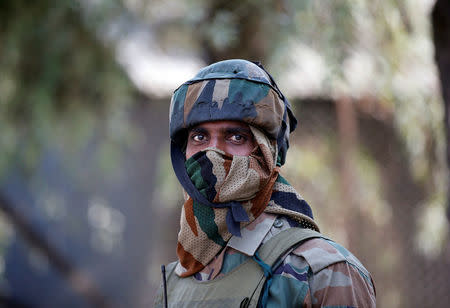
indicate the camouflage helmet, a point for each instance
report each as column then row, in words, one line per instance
column 236, row 90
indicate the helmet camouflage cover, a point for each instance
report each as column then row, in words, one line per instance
column 236, row 90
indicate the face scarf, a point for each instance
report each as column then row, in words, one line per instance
column 240, row 188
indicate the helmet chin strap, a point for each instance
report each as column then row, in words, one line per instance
column 236, row 212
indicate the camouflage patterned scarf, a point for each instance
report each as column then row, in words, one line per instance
column 249, row 182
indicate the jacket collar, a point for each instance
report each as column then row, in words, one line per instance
column 253, row 234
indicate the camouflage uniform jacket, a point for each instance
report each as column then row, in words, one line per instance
column 318, row 273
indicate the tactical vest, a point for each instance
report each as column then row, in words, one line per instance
column 241, row 287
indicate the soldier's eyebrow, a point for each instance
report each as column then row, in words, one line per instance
column 198, row 130
column 238, row 130
column 225, row 130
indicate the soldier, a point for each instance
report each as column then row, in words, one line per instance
column 247, row 238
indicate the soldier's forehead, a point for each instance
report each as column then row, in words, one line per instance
column 220, row 124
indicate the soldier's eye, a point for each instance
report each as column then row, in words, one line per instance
column 237, row 138
column 198, row 137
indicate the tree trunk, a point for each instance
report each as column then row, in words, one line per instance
column 441, row 37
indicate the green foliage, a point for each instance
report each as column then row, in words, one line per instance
column 57, row 81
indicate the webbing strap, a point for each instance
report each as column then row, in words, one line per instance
column 268, row 274
column 282, row 242
column 269, row 256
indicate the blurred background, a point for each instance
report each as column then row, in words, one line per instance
column 89, row 203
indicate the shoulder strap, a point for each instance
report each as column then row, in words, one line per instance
column 270, row 255
column 278, row 245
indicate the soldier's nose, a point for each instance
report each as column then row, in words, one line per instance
column 216, row 143
column 213, row 142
